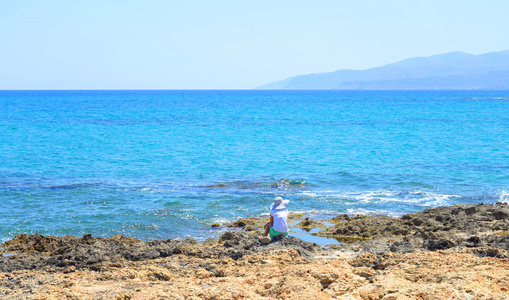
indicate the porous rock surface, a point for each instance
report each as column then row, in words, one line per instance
column 432, row 229
column 38, row 251
column 308, row 224
column 458, row 252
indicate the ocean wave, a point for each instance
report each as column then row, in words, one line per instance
column 155, row 190
column 490, row 98
column 318, row 213
column 418, row 197
column 504, row 196
column 363, row 211
column 328, row 214
column 415, row 197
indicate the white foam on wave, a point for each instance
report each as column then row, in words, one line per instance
column 220, row 220
column 308, row 193
column 434, row 199
column 363, row 211
column 151, row 190
column 154, row 190
column 315, row 212
column 377, row 196
column 421, row 198
column 504, row 196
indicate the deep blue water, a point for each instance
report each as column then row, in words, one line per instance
column 167, row 164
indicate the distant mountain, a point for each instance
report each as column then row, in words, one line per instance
column 454, row 70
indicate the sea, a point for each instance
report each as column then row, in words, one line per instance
column 165, row 164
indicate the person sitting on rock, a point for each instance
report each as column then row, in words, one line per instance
column 277, row 225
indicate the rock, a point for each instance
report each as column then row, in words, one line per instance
column 497, row 241
column 293, row 216
column 402, row 247
column 308, row 224
column 36, row 251
column 244, row 243
column 248, row 223
column 379, row 263
column 340, row 218
column 439, row 244
column 502, row 225
column 123, row 296
column 274, row 274
column 432, row 229
column 241, row 223
column 36, row 242
column 473, row 241
column 266, row 239
column 364, row 260
column 368, row 292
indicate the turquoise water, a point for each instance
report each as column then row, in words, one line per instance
column 167, row 164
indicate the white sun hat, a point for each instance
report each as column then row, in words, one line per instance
column 279, row 203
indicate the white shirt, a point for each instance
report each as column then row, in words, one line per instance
column 280, row 216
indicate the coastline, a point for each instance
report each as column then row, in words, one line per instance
column 455, row 252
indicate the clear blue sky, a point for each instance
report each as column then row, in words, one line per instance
column 149, row 44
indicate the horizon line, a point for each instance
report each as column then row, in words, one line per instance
column 253, row 89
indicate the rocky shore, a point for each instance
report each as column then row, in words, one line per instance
column 457, row 252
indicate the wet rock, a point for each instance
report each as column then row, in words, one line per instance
column 340, row 218
column 477, row 227
column 36, row 242
column 501, row 225
column 248, row 223
column 439, row 244
column 72, row 253
column 401, row 247
column 498, row 241
column 500, row 215
column 293, row 216
column 473, row 241
column 308, row 224
column 36, row 251
column 486, row 251
column 241, row 223
column 432, row 229
column 361, row 226
column 243, row 243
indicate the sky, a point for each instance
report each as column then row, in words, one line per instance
column 151, row 44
